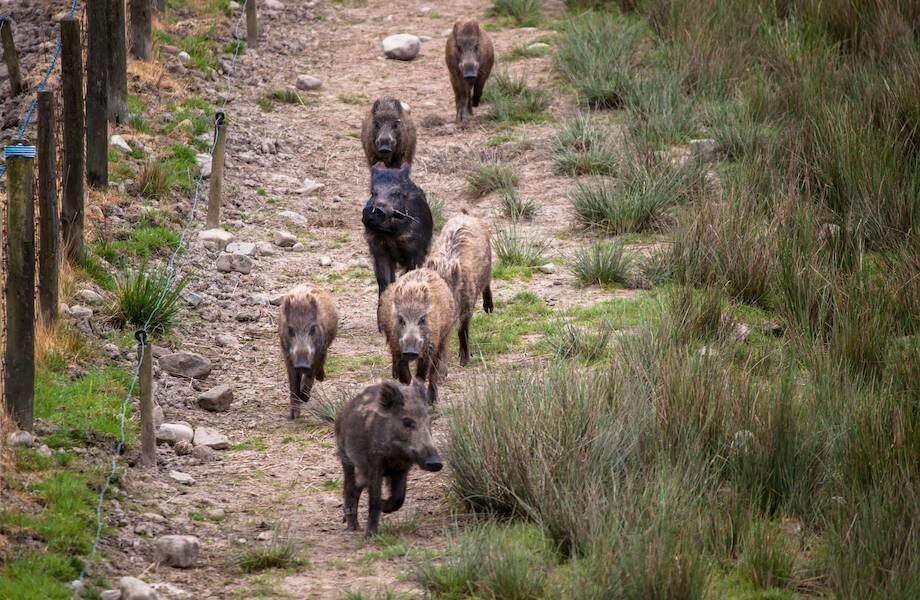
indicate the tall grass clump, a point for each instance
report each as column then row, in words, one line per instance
column 514, row 207
column 524, row 12
column 603, row 263
column 515, row 101
column 516, row 249
column 583, row 147
column 147, row 297
column 489, row 173
column 568, row 341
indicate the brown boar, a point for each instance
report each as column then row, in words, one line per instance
column 462, row 256
column 380, row 434
column 469, row 56
column 417, row 314
column 307, row 326
column 388, row 134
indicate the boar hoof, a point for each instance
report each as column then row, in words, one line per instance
column 295, row 412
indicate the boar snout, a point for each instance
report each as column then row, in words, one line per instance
column 302, row 364
column 470, row 72
column 385, row 145
column 433, row 463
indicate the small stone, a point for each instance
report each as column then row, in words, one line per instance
column 183, row 57
column 20, row 439
column 186, row 364
column 325, row 261
column 308, row 83
column 88, row 296
column 705, row 150
column 273, row 4
column 177, row 550
column 226, row 340
column 112, row 350
column 185, row 124
column 204, row 162
column 276, row 300
column 548, row 268
column 217, row 514
column 284, row 239
column 264, row 249
column 80, row 313
column 741, row 332
column 45, row 451
column 402, row 46
column 192, row 298
column 172, row 433
column 265, row 536
column 298, row 247
column 239, row 263
column 119, row 143
column 216, row 399
column 292, row 217
column 158, row 417
column 308, row 186
column 110, row 595
column 182, row 478
column 204, row 454
column 183, row 448
column 773, row 328
column 233, row 5
column 218, row 238
column 132, row 588
column 244, row 248
column 210, row 437
column 538, row 46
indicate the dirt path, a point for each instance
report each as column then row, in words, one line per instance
column 281, row 479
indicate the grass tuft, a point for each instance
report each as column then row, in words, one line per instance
column 514, row 101
column 582, row 147
column 147, row 297
column 603, row 263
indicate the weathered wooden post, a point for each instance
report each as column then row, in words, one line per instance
column 141, row 29
column 49, row 250
column 10, row 56
column 19, row 361
column 118, row 63
column 217, row 171
column 148, row 437
column 252, row 24
column 72, row 94
column 97, row 94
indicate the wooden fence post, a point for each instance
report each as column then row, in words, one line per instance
column 148, row 437
column 49, row 252
column 19, row 362
column 118, row 63
column 72, row 93
column 217, row 172
column 10, row 56
column 97, row 85
column 141, row 29
column 252, row 24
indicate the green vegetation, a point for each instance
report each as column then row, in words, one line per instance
column 515, row 249
column 505, row 330
column 525, row 13
column 147, row 297
column 489, row 173
column 603, row 263
column 568, row 341
column 142, row 241
column 513, row 101
column 530, row 50
column 346, row 98
column 280, row 553
column 514, row 207
column 583, row 147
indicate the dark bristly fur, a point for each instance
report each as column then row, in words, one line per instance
column 417, row 314
column 307, row 325
column 379, row 435
column 469, row 56
column 462, row 255
column 397, row 224
column 388, row 134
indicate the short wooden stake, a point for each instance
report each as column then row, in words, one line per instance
column 141, row 29
column 148, row 437
column 252, row 24
column 118, row 63
column 19, row 362
column 10, row 56
column 49, row 250
column 217, row 172
column 74, row 143
column 97, row 93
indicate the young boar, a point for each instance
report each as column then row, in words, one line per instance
column 380, row 434
column 388, row 134
column 397, row 225
column 417, row 313
column 469, row 56
column 307, row 326
column 462, row 256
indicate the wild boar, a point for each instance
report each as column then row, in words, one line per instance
column 397, row 224
column 417, row 313
column 307, row 326
column 388, row 134
column 469, row 56
column 380, row 434
column 462, row 256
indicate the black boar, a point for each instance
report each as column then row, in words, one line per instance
column 380, row 434
column 388, row 134
column 462, row 255
column 307, row 326
column 469, row 56
column 397, row 224
column 417, row 313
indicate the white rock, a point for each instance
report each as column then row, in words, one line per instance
column 110, row 595
column 210, row 437
column 158, row 417
column 88, row 296
column 244, row 248
column 45, row 451
column 284, row 239
column 112, row 350
column 204, row 454
column 20, row 439
column 183, row 478
column 538, row 46
column 171, row 433
column 325, row 261
column 204, row 161
column 548, row 268
column 226, row 340
column 177, row 550
column 403, row 46
column 80, row 312
column 298, row 247
column 216, row 399
column 292, row 217
column 217, row 238
column 264, row 249
column 309, row 186
column 132, row 588
column 239, row 263
column 119, row 143
column 276, row 300
column 308, row 83
column 234, row 5
column 273, row 4
column 265, row 536
column 183, row 57
column 186, row 364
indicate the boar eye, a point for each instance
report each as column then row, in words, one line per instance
column 401, row 321
column 409, row 423
column 423, row 320
column 290, row 331
column 312, row 330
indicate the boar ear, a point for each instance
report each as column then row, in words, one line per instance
column 378, row 167
column 420, row 388
column 390, row 395
column 405, row 170
column 376, row 105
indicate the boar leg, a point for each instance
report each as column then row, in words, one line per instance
column 462, row 97
column 477, row 90
column 374, row 500
column 401, row 371
column 464, row 334
column 306, row 386
column 294, row 385
column 397, row 483
column 385, row 272
column 351, row 493
column 487, row 299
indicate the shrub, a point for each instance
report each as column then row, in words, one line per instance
column 147, row 297
column 603, row 264
column 153, row 180
column 514, row 207
column 280, row 553
column 568, row 341
column 767, row 556
column 488, row 174
column 514, row 249
column 513, row 101
column 582, row 147
column 524, row 12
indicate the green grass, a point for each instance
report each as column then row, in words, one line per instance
column 142, row 242
column 514, row 207
column 567, row 341
column 516, row 249
column 582, row 147
column 277, row 554
column 523, row 12
column 235, row 47
column 529, row 51
column 488, row 174
column 358, row 99
column 505, row 329
column 603, row 263
column 514, row 101
column 265, row 105
column 147, row 297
